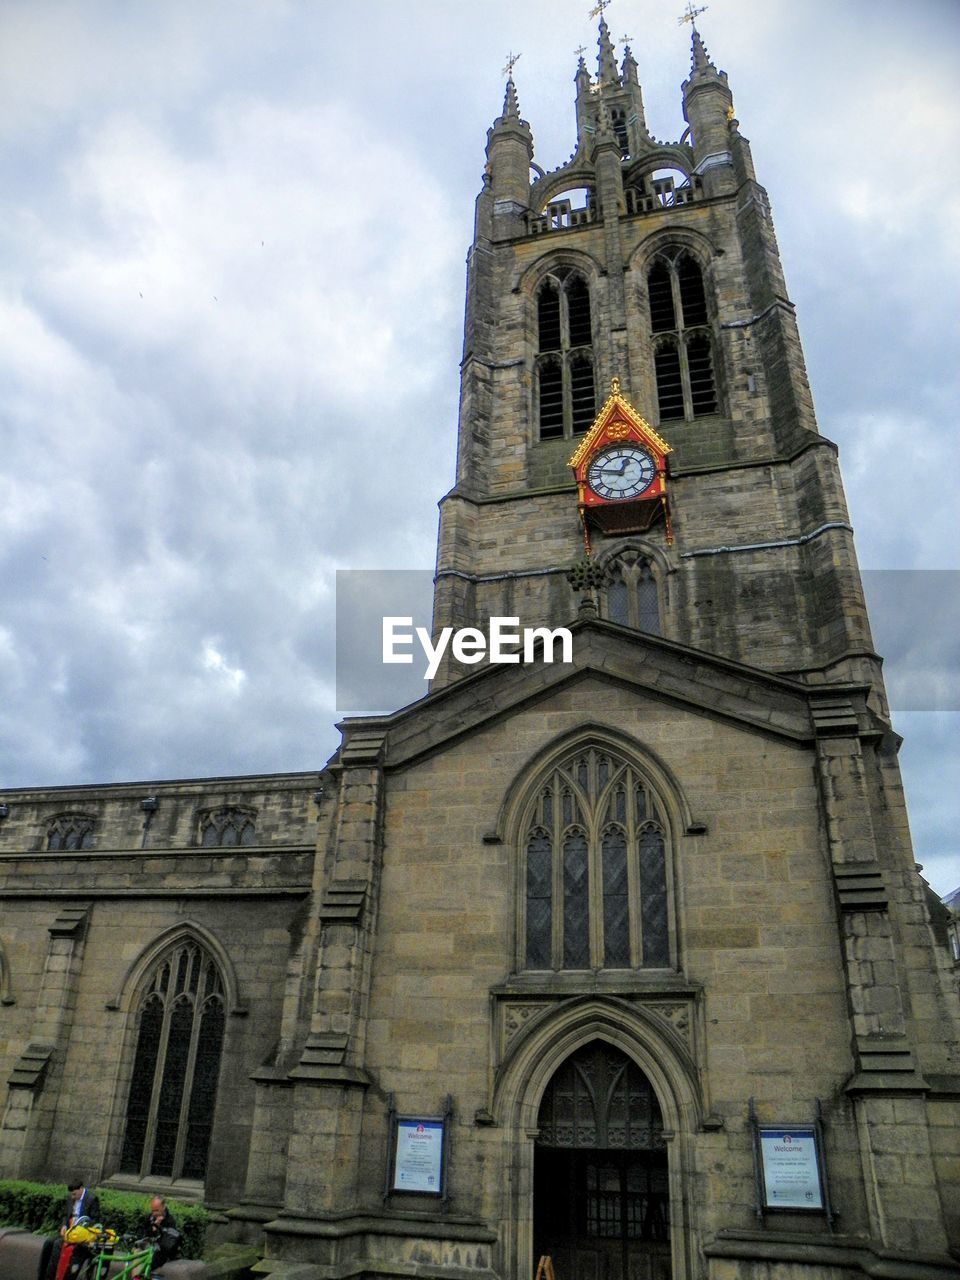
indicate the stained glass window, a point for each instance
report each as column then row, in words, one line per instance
column 176, row 1065
column 595, row 869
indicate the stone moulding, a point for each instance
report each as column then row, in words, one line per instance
column 31, row 1067
column 854, row 1256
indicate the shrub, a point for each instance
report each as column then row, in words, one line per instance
column 38, row 1206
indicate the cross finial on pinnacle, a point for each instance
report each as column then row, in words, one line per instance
column 580, row 52
column 691, row 14
column 512, row 60
column 597, row 11
column 625, row 40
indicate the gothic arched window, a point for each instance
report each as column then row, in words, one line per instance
column 594, row 859
column 227, row 827
column 566, row 389
column 180, row 1028
column 682, row 353
column 633, row 596
column 70, row 831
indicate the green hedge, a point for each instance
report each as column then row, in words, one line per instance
column 38, row 1206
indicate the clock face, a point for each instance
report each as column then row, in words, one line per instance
column 621, row 471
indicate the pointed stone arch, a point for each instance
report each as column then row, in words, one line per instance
column 700, row 247
column 187, row 1002
column 602, row 735
column 636, row 552
column 646, row 1040
column 529, row 281
column 137, row 972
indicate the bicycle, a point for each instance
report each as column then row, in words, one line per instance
column 107, row 1248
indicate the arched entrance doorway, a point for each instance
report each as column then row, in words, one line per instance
column 601, row 1199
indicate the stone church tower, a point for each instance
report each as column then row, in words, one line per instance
column 669, row 279
column 621, row 962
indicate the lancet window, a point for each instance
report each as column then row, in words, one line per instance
column 180, row 1027
column 595, row 868
column 682, row 352
column 633, row 594
column 566, row 389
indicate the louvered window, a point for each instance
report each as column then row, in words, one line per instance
column 566, row 387
column 682, row 354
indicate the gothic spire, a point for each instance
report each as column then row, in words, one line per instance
column 700, row 62
column 511, row 104
column 629, row 66
column 607, row 61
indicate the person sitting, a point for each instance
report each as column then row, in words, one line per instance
column 160, row 1228
column 81, row 1202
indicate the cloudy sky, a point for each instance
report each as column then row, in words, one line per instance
column 233, row 237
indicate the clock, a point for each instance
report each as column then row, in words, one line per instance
column 621, row 471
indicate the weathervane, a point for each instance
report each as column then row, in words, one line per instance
column 512, row 59
column 598, row 10
column 691, row 14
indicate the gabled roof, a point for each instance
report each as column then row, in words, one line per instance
column 617, row 409
column 755, row 700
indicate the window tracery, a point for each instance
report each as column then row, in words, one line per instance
column 71, row 831
column 180, row 1022
column 594, row 859
column 566, row 387
column 683, row 351
column 228, row 827
column 633, row 594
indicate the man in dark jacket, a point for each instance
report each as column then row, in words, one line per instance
column 160, row 1228
column 81, row 1202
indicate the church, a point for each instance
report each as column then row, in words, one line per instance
column 617, row 967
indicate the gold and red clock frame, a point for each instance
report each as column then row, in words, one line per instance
column 618, row 423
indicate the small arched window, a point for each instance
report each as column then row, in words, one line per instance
column 682, row 354
column 180, row 1027
column 619, row 121
column 228, row 827
column 594, row 858
column 633, row 595
column 566, row 386
column 71, row 831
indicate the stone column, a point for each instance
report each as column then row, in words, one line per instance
column 329, row 1081
column 887, row 1088
column 34, row 1084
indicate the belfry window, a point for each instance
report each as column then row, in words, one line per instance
column 595, row 869
column 682, row 353
column 566, row 386
column 173, row 1088
column 70, row 831
column 633, row 596
column 227, row 827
